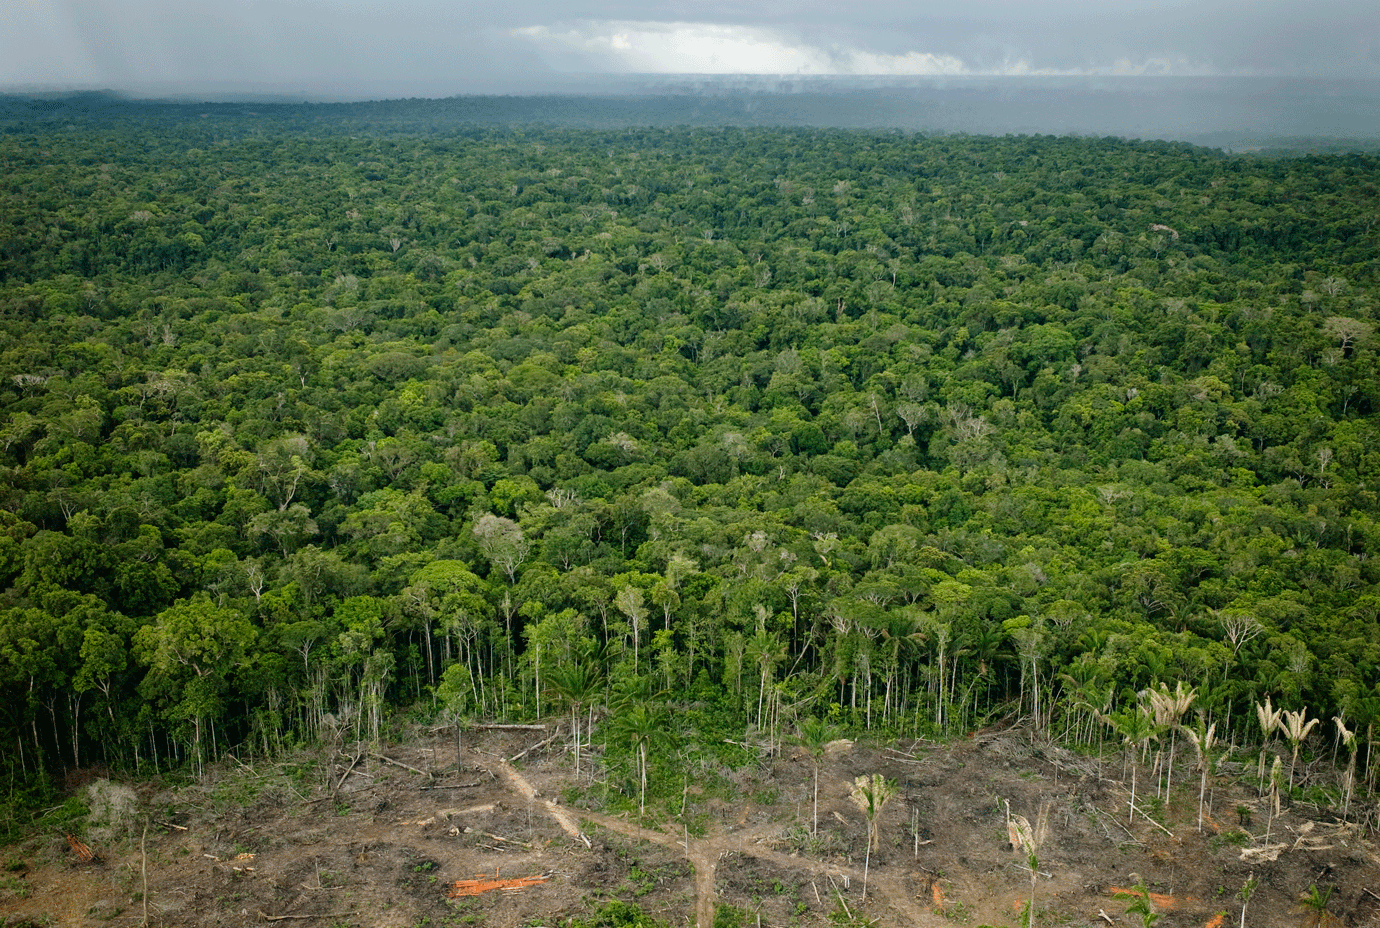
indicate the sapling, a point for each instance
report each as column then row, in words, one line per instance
column 1025, row 837
column 1312, row 905
column 1276, row 774
column 1348, row 739
column 1140, row 904
column 1244, row 894
column 870, row 794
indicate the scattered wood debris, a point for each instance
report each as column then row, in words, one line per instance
column 511, row 884
column 84, row 853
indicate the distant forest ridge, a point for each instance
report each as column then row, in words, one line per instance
column 1237, row 114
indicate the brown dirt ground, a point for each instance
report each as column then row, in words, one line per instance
column 381, row 851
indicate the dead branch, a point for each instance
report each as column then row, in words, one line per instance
column 472, row 810
column 1116, row 820
column 1151, row 820
column 489, row 834
column 536, row 747
column 283, row 918
column 451, row 786
column 398, row 763
column 842, row 902
column 496, row 727
column 171, row 825
column 353, row 762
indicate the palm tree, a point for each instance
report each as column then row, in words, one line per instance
column 814, row 736
column 1140, row 904
column 1296, row 729
column 870, row 795
column 1135, row 728
column 1312, row 906
column 766, row 650
column 1269, row 718
column 1167, row 709
column 1245, row 893
column 576, row 685
column 640, row 724
column 1348, row 739
column 1202, row 741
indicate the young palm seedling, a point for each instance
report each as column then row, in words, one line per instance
column 1140, row 904
column 1028, row 838
column 870, row 794
column 1269, row 719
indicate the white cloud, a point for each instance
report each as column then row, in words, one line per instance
column 710, row 48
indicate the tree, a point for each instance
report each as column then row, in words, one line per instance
column 640, row 724
column 1312, row 908
column 870, row 795
column 1269, row 719
column 814, row 735
column 1296, row 728
column 577, row 684
column 193, row 650
column 1203, row 741
column 502, row 543
column 629, row 601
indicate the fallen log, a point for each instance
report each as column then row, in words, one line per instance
column 475, row 887
column 341, row 782
column 283, row 918
column 84, row 853
column 505, row 727
column 398, row 763
column 536, row 747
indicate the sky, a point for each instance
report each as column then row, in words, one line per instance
column 367, row 49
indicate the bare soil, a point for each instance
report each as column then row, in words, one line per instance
column 376, row 844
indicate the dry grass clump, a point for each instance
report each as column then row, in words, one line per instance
column 114, row 812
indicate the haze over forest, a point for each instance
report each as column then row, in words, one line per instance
column 1200, row 72
column 700, row 379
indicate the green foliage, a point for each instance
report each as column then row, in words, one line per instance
column 1140, row 904
column 617, row 914
column 305, row 423
column 731, row 916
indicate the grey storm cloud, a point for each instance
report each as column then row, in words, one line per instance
column 431, row 48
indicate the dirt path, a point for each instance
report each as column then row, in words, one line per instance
column 704, row 855
column 520, row 784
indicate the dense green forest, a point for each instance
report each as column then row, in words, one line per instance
column 308, row 429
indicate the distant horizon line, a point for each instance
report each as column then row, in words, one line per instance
column 639, row 83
